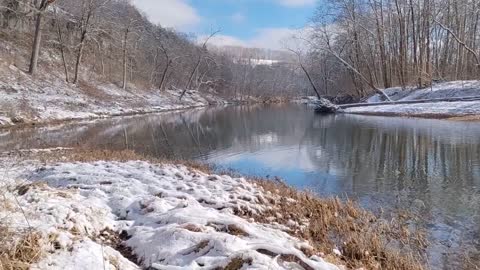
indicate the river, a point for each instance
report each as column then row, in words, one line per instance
column 430, row 167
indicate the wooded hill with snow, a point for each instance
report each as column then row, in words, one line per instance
column 91, row 58
column 358, row 45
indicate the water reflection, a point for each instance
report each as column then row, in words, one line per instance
column 429, row 165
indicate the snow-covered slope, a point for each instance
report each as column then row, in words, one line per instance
column 47, row 96
column 439, row 109
column 171, row 217
column 26, row 99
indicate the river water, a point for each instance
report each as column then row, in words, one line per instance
column 431, row 167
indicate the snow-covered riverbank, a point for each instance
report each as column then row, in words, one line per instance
column 94, row 214
column 175, row 218
column 428, row 110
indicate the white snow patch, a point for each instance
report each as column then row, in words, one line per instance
column 439, row 90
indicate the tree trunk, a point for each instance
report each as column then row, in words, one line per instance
column 79, row 58
column 36, row 44
column 62, row 51
column 164, row 75
column 191, row 77
column 125, row 60
column 310, row 80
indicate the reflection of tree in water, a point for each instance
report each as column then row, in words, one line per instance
column 177, row 134
column 406, row 166
column 396, row 158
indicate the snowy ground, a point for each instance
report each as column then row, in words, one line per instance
column 172, row 217
column 23, row 99
column 433, row 110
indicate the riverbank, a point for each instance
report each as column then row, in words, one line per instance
column 461, row 110
column 117, row 210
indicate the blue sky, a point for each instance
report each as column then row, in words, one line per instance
column 254, row 23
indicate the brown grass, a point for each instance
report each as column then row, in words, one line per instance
column 18, row 250
column 116, row 241
column 363, row 238
column 237, row 263
column 465, row 118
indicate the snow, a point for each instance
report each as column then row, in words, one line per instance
column 438, row 90
column 450, row 109
column 86, row 255
column 175, row 217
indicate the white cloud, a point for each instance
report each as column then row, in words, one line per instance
column 224, row 40
column 270, row 38
column 297, row 3
column 238, row 17
column 170, row 13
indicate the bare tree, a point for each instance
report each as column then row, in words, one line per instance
column 203, row 51
column 39, row 8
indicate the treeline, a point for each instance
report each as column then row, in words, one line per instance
column 113, row 39
column 360, row 45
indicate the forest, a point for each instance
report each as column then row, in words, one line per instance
column 352, row 47
column 386, row 43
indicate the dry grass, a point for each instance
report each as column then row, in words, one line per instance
column 475, row 117
column 116, row 241
column 18, row 250
column 365, row 240
column 237, row 263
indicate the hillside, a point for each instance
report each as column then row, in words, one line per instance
column 46, row 97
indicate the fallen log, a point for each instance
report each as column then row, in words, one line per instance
column 324, row 106
column 433, row 100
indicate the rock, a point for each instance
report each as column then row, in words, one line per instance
column 324, row 106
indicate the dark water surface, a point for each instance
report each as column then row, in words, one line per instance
column 431, row 167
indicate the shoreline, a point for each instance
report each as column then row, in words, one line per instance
column 249, row 209
column 467, row 110
column 100, row 117
column 446, row 116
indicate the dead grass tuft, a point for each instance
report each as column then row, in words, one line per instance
column 116, row 241
column 474, row 117
column 237, row 263
column 232, row 229
column 200, row 246
column 235, row 230
column 192, row 227
column 18, row 250
column 23, row 189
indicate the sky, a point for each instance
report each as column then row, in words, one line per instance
column 250, row 23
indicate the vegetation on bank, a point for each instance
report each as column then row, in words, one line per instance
column 340, row 232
